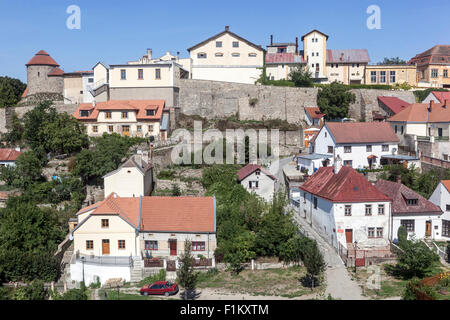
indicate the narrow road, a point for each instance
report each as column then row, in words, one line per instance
column 339, row 282
column 276, row 169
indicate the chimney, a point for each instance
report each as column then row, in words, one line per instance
column 430, row 108
column 138, row 158
column 93, row 103
column 227, row 28
column 296, row 45
column 446, row 104
column 271, row 39
column 337, row 164
column 149, row 54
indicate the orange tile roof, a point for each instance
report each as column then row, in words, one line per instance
column 56, row 72
column 361, row 132
column 169, row 214
column 441, row 95
column 7, row 154
column 314, row 112
column 24, row 94
column 446, row 184
column 42, row 58
column 419, row 112
column 139, row 106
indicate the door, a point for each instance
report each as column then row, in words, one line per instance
column 440, row 132
column 349, row 235
column 173, row 247
column 105, row 246
column 428, row 229
column 126, row 130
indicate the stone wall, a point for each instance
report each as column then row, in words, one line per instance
column 60, row 107
column 215, row 99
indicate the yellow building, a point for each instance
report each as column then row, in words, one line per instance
column 433, row 67
column 391, row 74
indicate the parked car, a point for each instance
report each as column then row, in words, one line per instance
column 166, row 288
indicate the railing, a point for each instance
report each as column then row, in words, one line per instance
column 153, row 263
column 423, row 138
column 105, row 260
column 441, row 138
column 436, row 162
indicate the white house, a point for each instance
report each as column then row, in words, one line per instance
column 437, row 97
column 441, row 198
column 312, row 162
column 227, row 57
column 256, row 179
column 419, row 216
column 115, row 237
column 134, row 178
column 345, row 208
column 357, row 145
column 313, row 116
column 9, row 156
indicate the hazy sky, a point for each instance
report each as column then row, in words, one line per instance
column 116, row 31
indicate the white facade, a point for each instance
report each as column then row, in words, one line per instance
column 355, row 152
column 329, row 219
column 92, row 272
column 420, row 225
column 441, row 198
column 315, row 53
column 261, row 184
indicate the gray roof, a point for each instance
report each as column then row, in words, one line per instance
column 315, row 156
column 348, row 56
column 131, row 163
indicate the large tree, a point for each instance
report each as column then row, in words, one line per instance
column 186, row 274
column 301, row 77
column 10, row 91
column 334, row 100
column 392, row 61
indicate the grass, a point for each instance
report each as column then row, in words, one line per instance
column 112, row 295
column 269, row 282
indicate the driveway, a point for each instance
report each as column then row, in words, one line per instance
column 339, row 282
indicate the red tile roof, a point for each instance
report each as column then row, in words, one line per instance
column 56, row 72
column 42, row 58
column 419, row 112
column 7, row 154
column 346, row 186
column 442, row 95
column 138, row 106
column 24, row 94
column 314, row 112
column 400, row 193
column 446, row 184
column 160, row 214
column 249, row 169
column 439, row 54
column 362, row 132
column 394, row 104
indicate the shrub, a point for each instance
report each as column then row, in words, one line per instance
column 160, row 276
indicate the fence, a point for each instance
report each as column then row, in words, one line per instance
column 363, row 257
column 105, row 260
column 436, row 162
column 153, row 263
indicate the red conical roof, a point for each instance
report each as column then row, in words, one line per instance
column 42, row 58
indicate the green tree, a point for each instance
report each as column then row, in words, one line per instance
column 402, row 235
column 33, row 122
column 176, row 192
column 392, row 61
column 334, row 100
column 33, row 291
column 187, row 276
column 301, row 77
column 15, row 131
column 10, row 91
column 241, row 251
column 314, row 262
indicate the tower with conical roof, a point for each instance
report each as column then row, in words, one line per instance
column 44, row 75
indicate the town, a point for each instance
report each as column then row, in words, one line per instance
column 276, row 171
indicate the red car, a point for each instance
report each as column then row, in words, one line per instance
column 166, row 288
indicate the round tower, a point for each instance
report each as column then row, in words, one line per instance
column 44, row 75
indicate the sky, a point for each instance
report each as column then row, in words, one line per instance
column 117, row 31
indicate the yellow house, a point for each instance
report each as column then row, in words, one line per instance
column 115, row 237
column 433, row 67
column 391, row 74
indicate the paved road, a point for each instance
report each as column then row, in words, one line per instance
column 339, row 283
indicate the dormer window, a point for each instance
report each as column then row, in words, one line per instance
column 412, row 202
column 151, row 112
column 84, row 113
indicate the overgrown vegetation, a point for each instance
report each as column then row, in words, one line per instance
column 422, row 94
column 10, row 91
column 334, row 100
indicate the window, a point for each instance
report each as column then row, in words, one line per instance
column 150, row 112
column 379, row 232
column 94, row 128
column 201, row 55
column 385, row 148
column 105, row 223
column 315, row 203
column 368, row 209
column 313, row 54
column 445, row 73
column 382, row 76
column 392, row 77
column 253, row 184
column 353, row 65
column 408, row 224
column 252, row 54
column 447, row 207
column 124, row 115
column 140, row 74
column 235, row 44
column 304, row 197
column 123, row 74
column 371, row 232
column 348, row 209
column 325, row 134
column 158, row 74
column 347, row 149
column 139, row 128
column 317, row 54
column 373, row 76
column 219, row 54
column 412, row 202
column 434, row 73
column 218, row 44
column 330, row 149
column 84, row 113
column 198, row 245
column 258, row 172
column 151, row 245
column 446, row 228
column 110, row 128
column 121, row 244
column 90, row 80
column 368, row 148
column 150, row 127
column 235, row 54
column 89, row 244
column 381, row 209
column 348, row 163
column 401, row 130
column 108, row 115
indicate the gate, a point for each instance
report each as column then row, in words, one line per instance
column 171, row 265
column 360, row 258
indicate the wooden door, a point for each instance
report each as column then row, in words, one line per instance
column 126, row 130
column 428, row 229
column 105, row 246
column 349, row 235
column 173, row 247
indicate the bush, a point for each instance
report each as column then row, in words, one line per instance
column 33, row 291
column 422, row 94
column 160, row 276
column 166, row 175
column 414, row 291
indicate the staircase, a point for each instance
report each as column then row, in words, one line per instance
column 136, row 271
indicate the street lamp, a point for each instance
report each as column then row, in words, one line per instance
column 356, row 246
column 82, row 261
